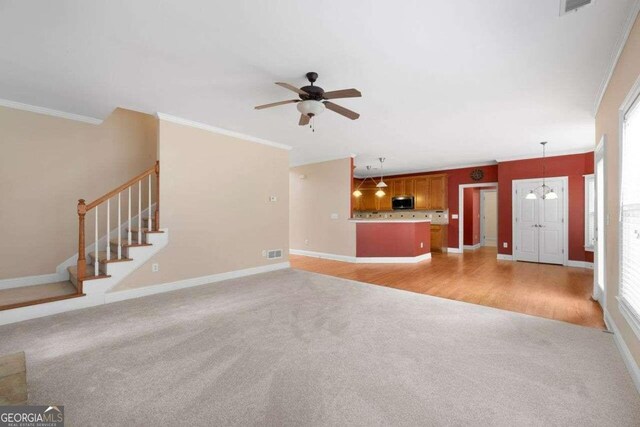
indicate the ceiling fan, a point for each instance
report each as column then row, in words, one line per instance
column 313, row 100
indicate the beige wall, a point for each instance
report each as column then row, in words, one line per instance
column 48, row 163
column 324, row 190
column 627, row 71
column 214, row 199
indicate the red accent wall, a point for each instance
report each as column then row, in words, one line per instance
column 471, row 232
column 574, row 166
column 457, row 177
column 393, row 239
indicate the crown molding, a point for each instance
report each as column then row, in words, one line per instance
column 203, row 126
column 615, row 55
column 554, row 154
column 49, row 112
column 392, row 173
column 321, row 160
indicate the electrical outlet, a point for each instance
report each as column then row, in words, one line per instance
column 306, row 241
column 422, row 244
column 155, row 267
column 264, row 253
column 454, row 216
column 334, row 216
column 505, row 245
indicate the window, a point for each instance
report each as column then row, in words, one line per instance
column 589, row 212
column 630, row 216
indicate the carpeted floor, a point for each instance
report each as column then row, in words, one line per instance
column 297, row 348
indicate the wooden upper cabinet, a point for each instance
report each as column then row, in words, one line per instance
column 409, row 187
column 438, row 194
column 429, row 191
column 421, row 192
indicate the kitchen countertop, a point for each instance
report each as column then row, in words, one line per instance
column 371, row 220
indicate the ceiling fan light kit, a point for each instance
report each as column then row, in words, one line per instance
column 314, row 100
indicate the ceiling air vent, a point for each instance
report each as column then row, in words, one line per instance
column 567, row 6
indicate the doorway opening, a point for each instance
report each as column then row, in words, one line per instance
column 471, row 224
column 489, row 218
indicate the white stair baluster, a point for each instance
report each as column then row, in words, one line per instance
column 139, row 211
column 129, row 223
column 108, row 230
column 149, row 210
column 95, row 247
column 119, row 233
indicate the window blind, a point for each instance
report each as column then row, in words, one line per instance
column 630, row 213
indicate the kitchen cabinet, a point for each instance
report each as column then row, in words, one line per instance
column 421, row 192
column 439, row 238
column 429, row 191
column 438, row 193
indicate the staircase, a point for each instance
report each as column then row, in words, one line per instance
column 114, row 253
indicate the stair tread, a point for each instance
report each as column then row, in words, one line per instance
column 28, row 295
column 102, row 257
column 135, row 230
column 89, row 273
column 133, row 243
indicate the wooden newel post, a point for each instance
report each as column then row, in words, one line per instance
column 82, row 262
column 156, row 220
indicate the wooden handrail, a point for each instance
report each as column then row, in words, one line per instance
column 124, row 186
column 82, row 208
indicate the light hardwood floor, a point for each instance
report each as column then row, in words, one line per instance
column 551, row 291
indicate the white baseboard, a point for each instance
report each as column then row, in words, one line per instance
column 580, row 264
column 503, row 257
column 361, row 260
column 629, row 361
column 189, row 283
column 20, row 282
column 91, row 300
column 473, row 247
column 393, row 260
column 454, row 251
column 335, row 257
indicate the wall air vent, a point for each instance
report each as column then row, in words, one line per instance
column 567, row 6
column 274, row 254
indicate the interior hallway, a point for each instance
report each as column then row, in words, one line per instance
column 550, row 291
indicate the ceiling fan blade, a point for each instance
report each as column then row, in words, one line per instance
column 344, row 93
column 304, row 120
column 275, row 104
column 292, row 88
column 341, row 110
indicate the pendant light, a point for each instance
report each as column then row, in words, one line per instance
column 381, row 184
column 358, row 193
column 546, row 192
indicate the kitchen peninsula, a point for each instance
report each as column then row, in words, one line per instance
column 393, row 240
column 418, row 197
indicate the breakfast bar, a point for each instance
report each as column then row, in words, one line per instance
column 392, row 240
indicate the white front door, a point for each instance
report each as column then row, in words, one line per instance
column 539, row 234
column 527, row 217
column 551, row 225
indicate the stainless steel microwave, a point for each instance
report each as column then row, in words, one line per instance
column 402, row 202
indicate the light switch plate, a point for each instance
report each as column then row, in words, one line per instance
column 334, row 216
column 454, row 216
column 273, row 199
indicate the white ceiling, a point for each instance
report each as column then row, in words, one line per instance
column 444, row 83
